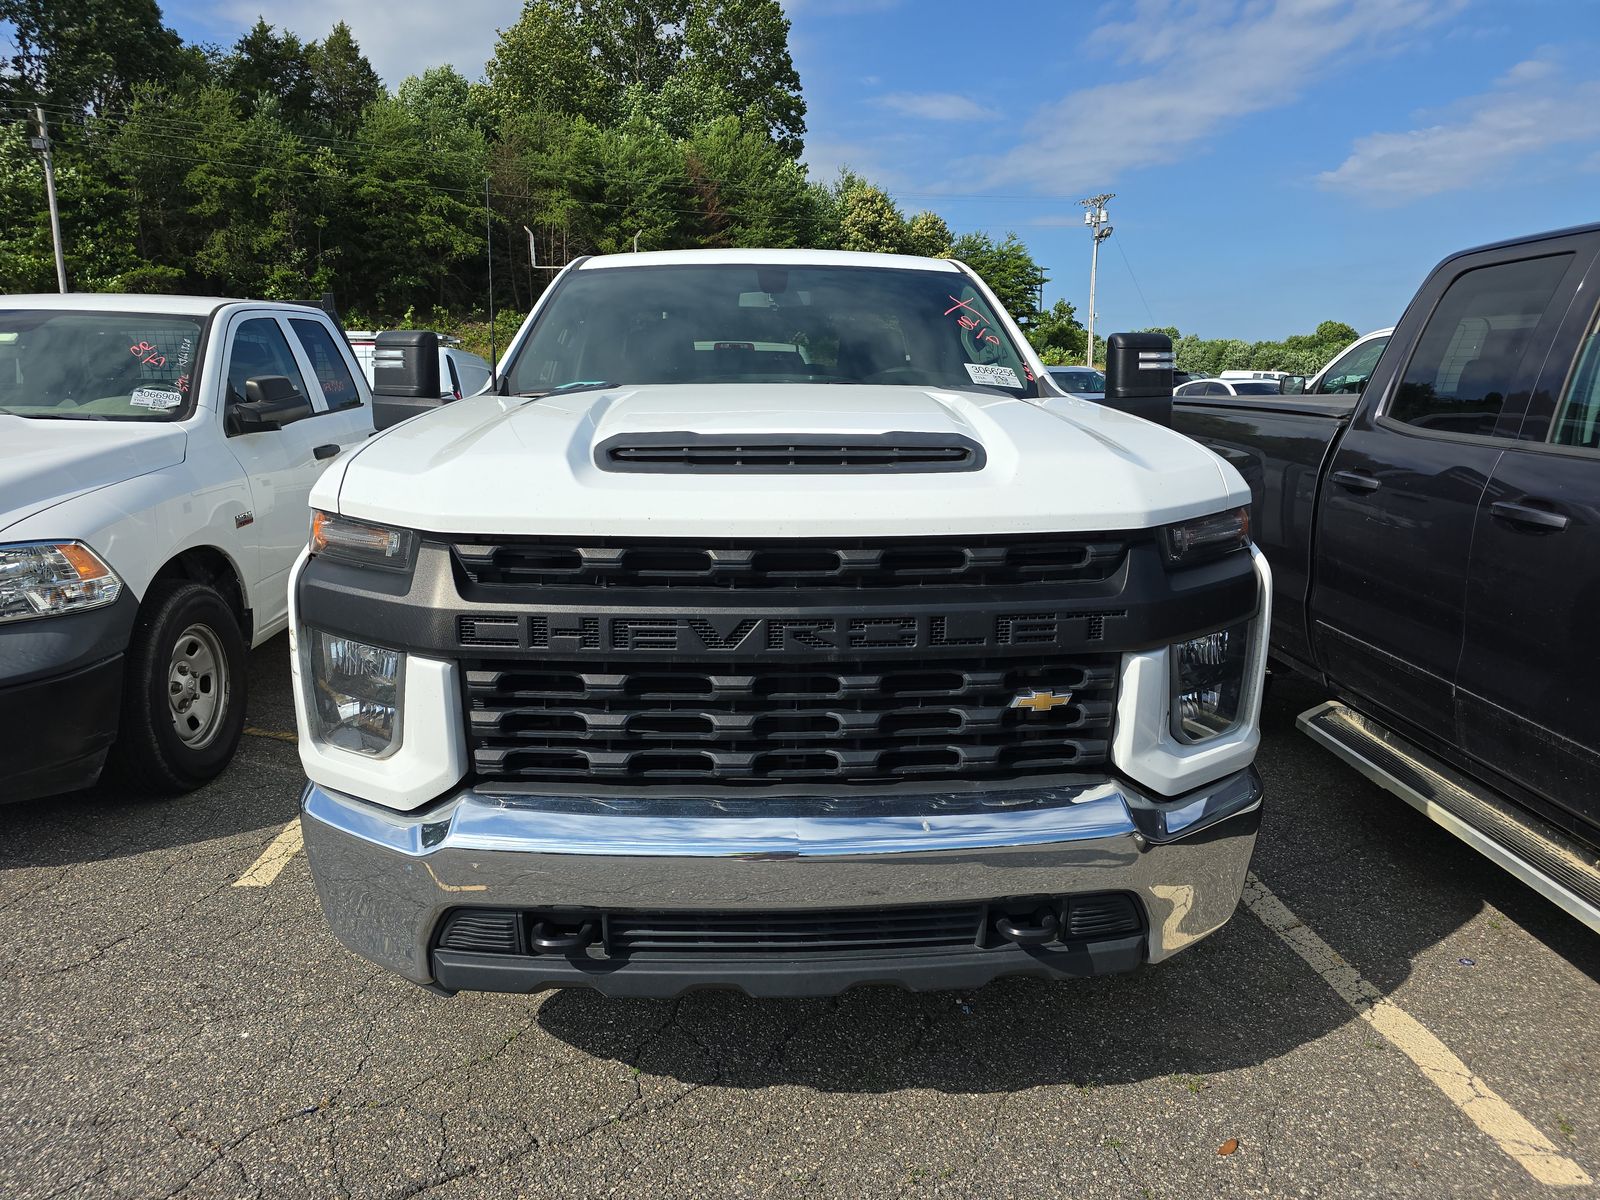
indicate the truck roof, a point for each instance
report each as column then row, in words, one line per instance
column 786, row 258
column 1592, row 227
column 188, row 306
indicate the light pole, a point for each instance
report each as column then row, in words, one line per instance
column 1094, row 216
column 41, row 143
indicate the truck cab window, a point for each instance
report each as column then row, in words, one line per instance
column 338, row 388
column 259, row 348
column 1466, row 362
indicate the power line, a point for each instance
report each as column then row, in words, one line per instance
column 1135, row 278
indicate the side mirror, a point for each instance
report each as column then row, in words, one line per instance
column 270, row 402
column 405, row 362
column 1139, row 375
column 1292, row 385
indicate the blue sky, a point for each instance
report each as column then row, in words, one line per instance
column 1275, row 162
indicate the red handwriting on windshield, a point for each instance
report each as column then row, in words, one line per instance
column 972, row 320
column 183, row 383
column 146, row 354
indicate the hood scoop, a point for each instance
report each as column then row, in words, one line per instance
column 784, row 454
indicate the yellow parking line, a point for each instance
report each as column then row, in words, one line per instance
column 276, row 734
column 1511, row 1131
column 274, row 858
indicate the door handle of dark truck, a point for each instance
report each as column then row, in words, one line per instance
column 1527, row 515
column 1355, row 481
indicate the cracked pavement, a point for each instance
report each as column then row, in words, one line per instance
column 169, row 1034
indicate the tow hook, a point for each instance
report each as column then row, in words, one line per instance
column 1044, row 928
column 546, row 935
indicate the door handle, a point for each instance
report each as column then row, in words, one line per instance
column 1528, row 516
column 327, row 451
column 1355, row 481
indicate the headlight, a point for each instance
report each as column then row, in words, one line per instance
column 1205, row 538
column 1208, row 683
column 41, row 579
column 355, row 694
column 360, row 541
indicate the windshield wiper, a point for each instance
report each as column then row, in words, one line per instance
column 54, row 416
column 577, row 385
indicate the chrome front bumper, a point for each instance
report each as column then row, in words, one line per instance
column 385, row 878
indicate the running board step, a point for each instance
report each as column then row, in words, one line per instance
column 1562, row 870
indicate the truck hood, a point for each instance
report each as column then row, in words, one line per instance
column 512, row 465
column 44, row 462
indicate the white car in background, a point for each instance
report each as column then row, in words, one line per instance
column 156, row 454
column 1228, row 387
column 1351, row 367
column 1084, row 382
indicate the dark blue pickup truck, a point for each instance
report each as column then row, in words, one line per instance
column 1435, row 542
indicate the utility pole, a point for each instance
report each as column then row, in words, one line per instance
column 1094, row 216
column 488, row 241
column 41, row 143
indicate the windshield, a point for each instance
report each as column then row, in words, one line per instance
column 1079, row 379
column 68, row 365
column 746, row 323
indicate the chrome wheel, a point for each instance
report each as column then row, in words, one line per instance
column 197, row 686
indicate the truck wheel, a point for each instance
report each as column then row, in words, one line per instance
column 184, row 690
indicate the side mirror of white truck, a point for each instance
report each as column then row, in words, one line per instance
column 270, row 402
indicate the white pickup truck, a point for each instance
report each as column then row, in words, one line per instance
column 156, row 453
column 779, row 625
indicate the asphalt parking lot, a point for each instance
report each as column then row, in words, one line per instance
column 1387, row 1016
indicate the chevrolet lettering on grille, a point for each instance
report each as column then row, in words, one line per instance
column 582, row 633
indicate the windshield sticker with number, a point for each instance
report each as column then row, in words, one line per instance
column 993, row 374
column 155, row 398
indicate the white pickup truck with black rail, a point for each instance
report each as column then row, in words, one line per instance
column 776, row 624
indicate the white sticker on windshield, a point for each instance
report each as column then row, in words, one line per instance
column 994, row 374
column 155, row 398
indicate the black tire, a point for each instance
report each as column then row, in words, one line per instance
column 149, row 755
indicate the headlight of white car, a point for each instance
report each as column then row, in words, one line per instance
column 1208, row 683
column 44, row 579
column 355, row 693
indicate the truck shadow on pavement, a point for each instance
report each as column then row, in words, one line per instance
column 260, row 788
column 1379, row 882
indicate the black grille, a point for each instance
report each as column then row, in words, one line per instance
column 756, row 455
column 756, row 723
column 527, row 564
column 596, row 934
column 794, row 933
column 1102, row 916
column 483, row 931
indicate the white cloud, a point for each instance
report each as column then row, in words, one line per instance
column 938, row 106
column 399, row 41
column 1203, row 65
column 1530, row 108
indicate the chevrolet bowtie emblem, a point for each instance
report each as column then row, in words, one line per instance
column 1040, row 701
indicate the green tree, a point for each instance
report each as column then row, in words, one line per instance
column 869, row 220
column 267, row 69
column 928, row 235
column 750, row 193
column 738, row 51
column 545, row 61
column 639, row 184
column 1057, row 334
column 343, row 82
column 77, row 55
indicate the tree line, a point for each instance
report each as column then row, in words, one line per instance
column 283, row 168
